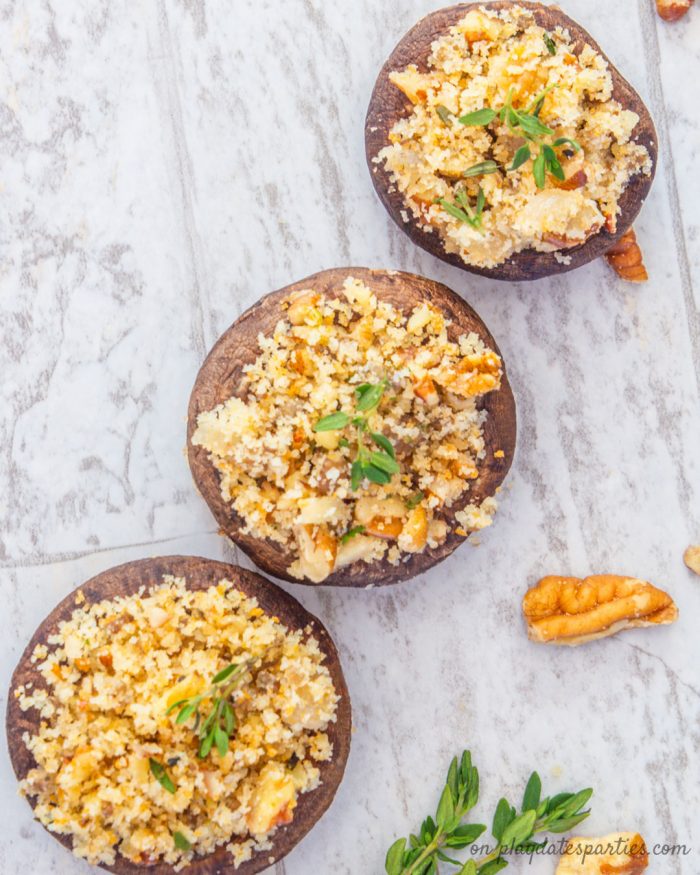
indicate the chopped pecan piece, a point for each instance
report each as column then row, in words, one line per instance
column 620, row 853
column 691, row 557
column 626, row 258
column 568, row 610
column 672, row 10
column 576, row 180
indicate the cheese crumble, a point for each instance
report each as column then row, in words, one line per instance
column 112, row 672
column 292, row 485
column 475, row 65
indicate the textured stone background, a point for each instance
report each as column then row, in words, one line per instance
column 165, row 163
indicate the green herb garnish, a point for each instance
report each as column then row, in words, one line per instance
column 216, row 728
column 355, row 530
column 181, row 842
column 414, row 500
column 377, row 467
column 463, row 210
column 445, row 114
column 549, row 43
column 159, row 773
column 481, row 169
column 524, row 123
column 513, row 831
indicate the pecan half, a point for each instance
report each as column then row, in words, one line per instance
column 672, row 10
column 569, row 610
column 691, row 557
column 620, row 853
column 626, row 258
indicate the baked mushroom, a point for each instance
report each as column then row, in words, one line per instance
column 352, row 428
column 501, row 139
column 179, row 714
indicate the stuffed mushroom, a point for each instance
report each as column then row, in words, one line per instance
column 179, row 714
column 502, row 140
column 352, row 428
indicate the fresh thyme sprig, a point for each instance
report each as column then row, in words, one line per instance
column 462, row 210
column 525, row 123
column 217, row 727
column 378, row 466
column 423, row 853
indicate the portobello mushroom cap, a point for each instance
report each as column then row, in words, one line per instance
column 125, row 580
column 221, row 375
column 388, row 104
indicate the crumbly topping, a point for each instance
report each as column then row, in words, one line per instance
column 293, row 485
column 474, row 66
column 112, row 672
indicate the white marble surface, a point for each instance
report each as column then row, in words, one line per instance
column 166, row 162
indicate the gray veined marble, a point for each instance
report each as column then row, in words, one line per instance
column 163, row 163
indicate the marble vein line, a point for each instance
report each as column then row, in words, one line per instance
column 649, row 23
column 185, row 176
column 54, row 558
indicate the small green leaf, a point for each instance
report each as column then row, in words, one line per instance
column 533, row 790
column 206, row 745
column 229, row 719
column 519, row 830
column 550, row 44
column 561, row 141
column 483, row 168
column 186, row 713
column 223, row 674
column 577, row 801
column 332, row 422
column 552, row 163
column 532, row 125
column 480, row 201
column 502, row 817
column 412, row 502
column 394, row 857
column 454, row 211
column 159, row 773
column 221, row 741
column 558, row 800
column 520, row 157
column 559, row 826
column 538, row 170
column 445, row 114
column 445, row 809
column 343, row 442
column 175, row 705
column 181, row 842
column 356, row 475
column 371, row 397
column 385, row 463
column 465, row 834
column 376, row 475
column 478, row 118
column 493, row 866
column 383, row 442
column 469, row 868
column 355, row 530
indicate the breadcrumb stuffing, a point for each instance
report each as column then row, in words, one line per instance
column 111, row 673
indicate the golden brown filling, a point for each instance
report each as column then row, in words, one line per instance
column 358, row 427
column 174, row 722
column 514, row 141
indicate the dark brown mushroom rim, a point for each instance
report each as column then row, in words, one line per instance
column 388, row 104
column 220, row 378
column 125, row 580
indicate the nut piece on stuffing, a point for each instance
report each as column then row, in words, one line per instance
column 620, row 853
column 571, row 611
column 691, row 557
column 672, row 10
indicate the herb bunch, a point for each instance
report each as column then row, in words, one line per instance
column 377, row 466
column 217, row 727
column 523, row 123
column 512, row 831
